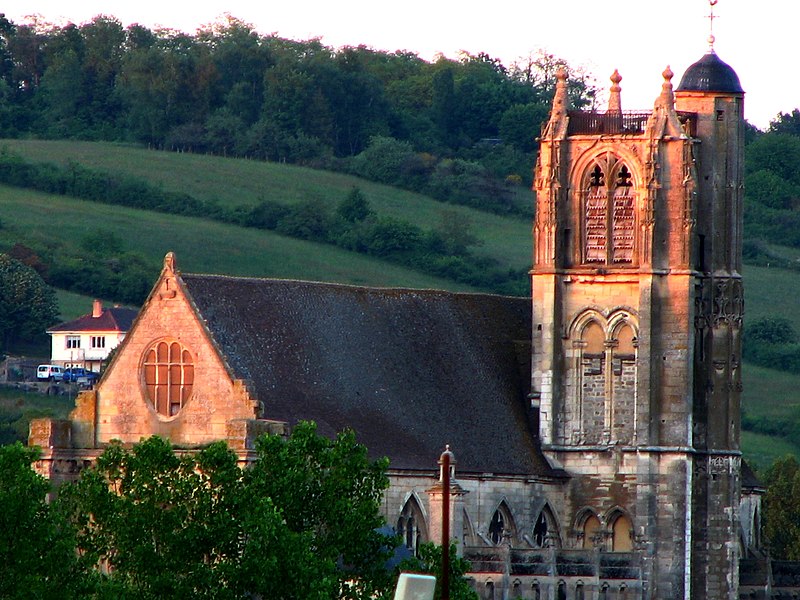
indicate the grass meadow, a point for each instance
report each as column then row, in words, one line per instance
column 201, row 246
column 208, row 247
column 235, row 182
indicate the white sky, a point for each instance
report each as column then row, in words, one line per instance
column 637, row 37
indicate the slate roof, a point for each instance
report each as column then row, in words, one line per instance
column 749, row 479
column 710, row 74
column 111, row 319
column 408, row 370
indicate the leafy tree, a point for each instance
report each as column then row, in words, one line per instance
column 770, row 330
column 788, row 123
column 455, row 230
column 778, row 153
column 329, row 492
column 781, row 511
column 521, row 123
column 27, row 304
column 299, row 523
column 37, row 549
column 771, row 190
column 355, row 207
column 384, row 160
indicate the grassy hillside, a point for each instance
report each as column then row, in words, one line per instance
column 200, row 245
column 235, row 182
column 205, row 246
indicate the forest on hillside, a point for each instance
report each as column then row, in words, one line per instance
column 228, row 90
column 460, row 131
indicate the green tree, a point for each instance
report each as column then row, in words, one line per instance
column 329, row 492
column 355, row 207
column 788, row 123
column 27, row 304
column 770, row 189
column 781, row 511
column 770, row 330
column 37, row 549
column 521, row 123
column 299, row 523
column 775, row 152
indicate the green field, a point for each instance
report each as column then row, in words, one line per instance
column 201, row 246
column 206, row 246
column 234, row 182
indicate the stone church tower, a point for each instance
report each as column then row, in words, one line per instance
column 637, row 320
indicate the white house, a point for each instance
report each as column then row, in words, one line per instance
column 87, row 341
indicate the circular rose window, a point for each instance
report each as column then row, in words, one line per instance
column 168, row 377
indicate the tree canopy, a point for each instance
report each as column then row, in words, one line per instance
column 230, row 90
column 37, row 548
column 781, row 511
column 300, row 522
column 27, row 304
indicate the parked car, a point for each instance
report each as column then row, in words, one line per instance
column 80, row 375
column 49, row 373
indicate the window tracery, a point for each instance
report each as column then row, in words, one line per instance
column 609, row 217
column 411, row 525
column 602, row 378
column 168, row 376
column 501, row 524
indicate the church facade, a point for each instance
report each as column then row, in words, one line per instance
column 595, row 429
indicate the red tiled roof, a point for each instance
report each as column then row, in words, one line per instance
column 111, row 319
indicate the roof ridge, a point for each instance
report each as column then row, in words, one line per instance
column 335, row 284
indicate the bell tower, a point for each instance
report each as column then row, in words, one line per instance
column 637, row 310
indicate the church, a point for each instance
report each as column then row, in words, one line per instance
column 595, row 426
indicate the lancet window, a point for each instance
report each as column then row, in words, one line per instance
column 621, row 534
column 602, row 379
column 609, row 216
column 411, row 525
column 501, row 524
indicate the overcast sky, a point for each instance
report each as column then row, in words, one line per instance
column 640, row 38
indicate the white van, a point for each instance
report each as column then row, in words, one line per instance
column 49, row 372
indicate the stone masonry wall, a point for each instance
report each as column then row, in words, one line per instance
column 123, row 409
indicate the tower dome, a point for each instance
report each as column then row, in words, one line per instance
column 710, row 74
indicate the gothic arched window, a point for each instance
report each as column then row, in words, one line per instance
column 591, row 532
column 411, row 525
column 621, row 531
column 540, row 531
column 501, row 524
column 168, row 377
column 545, row 532
column 609, row 217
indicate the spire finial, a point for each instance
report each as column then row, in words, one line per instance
column 711, row 17
column 614, row 99
column 666, row 87
column 561, row 97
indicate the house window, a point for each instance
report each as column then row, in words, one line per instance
column 73, row 341
column 98, row 341
column 609, row 217
column 168, row 377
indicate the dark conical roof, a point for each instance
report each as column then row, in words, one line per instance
column 710, row 74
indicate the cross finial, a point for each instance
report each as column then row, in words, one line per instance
column 711, row 17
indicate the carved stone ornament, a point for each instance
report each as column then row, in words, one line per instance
column 728, row 303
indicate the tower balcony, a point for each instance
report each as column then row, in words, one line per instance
column 620, row 122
